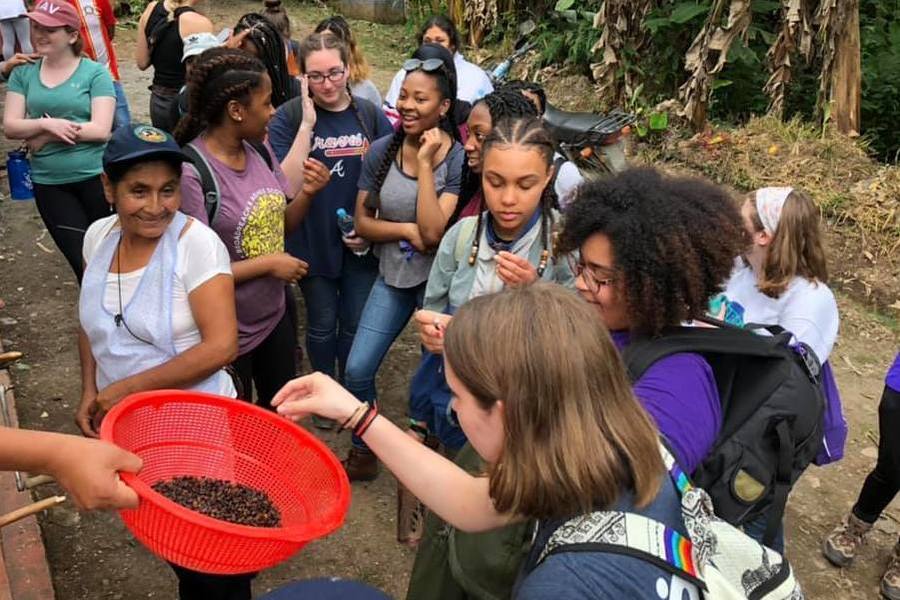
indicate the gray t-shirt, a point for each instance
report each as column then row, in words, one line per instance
column 396, row 201
column 366, row 89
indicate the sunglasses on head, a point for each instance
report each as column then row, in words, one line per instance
column 428, row 65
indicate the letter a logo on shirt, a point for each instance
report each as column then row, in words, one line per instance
column 338, row 169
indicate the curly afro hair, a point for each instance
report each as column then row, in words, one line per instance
column 675, row 240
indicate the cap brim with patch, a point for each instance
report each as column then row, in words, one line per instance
column 151, row 154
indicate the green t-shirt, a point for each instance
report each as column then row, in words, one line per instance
column 58, row 163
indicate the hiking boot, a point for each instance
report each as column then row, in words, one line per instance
column 323, row 423
column 890, row 581
column 841, row 545
column 361, row 465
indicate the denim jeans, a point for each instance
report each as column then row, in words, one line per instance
column 386, row 313
column 757, row 530
column 333, row 309
column 122, row 115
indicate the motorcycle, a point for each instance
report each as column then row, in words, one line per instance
column 593, row 142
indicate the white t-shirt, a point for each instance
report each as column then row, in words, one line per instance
column 472, row 83
column 10, row 9
column 201, row 256
column 807, row 309
column 567, row 180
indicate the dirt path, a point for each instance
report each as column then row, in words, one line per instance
column 92, row 556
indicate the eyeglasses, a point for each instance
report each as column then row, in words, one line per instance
column 333, row 76
column 428, row 65
column 593, row 281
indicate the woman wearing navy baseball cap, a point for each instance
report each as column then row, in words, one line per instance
column 156, row 308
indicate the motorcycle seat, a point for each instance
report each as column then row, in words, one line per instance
column 573, row 126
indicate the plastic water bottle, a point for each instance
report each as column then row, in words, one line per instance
column 345, row 224
column 18, row 169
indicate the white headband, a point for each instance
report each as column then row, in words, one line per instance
column 769, row 202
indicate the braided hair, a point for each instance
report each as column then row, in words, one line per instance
column 270, row 45
column 501, row 104
column 326, row 40
column 338, row 26
column 447, row 88
column 276, row 14
column 520, row 86
column 529, row 132
column 217, row 77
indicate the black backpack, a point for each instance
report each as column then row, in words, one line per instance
column 208, row 181
column 772, row 414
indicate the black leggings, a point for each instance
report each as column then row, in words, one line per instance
column 883, row 482
column 202, row 586
column 68, row 210
column 271, row 364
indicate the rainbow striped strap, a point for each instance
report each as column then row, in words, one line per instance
column 625, row 533
column 681, row 479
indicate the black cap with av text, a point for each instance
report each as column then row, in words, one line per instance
column 131, row 142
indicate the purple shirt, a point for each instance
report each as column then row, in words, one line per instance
column 250, row 220
column 680, row 393
column 893, row 375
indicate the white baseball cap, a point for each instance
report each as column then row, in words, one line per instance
column 198, row 43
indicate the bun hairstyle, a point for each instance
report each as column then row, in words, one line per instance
column 528, row 132
column 218, row 76
column 338, row 26
column 326, row 40
column 279, row 18
column 445, row 24
column 270, row 44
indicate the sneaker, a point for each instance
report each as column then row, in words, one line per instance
column 890, row 581
column 841, row 545
column 361, row 465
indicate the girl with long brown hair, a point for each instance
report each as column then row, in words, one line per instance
column 561, row 432
column 781, row 279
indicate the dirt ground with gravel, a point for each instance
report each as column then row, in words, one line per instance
column 93, row 556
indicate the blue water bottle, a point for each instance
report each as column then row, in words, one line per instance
column 18, row 170
column 345, row 224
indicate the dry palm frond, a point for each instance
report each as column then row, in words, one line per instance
column 830, row 17
column 708, row 54
column 795, row 28
column 621, row 22
column 481, row 17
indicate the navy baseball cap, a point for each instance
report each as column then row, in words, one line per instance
column 138, row 140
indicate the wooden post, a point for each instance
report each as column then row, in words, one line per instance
column 846, row 79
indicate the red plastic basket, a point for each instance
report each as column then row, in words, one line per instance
column 187, row 433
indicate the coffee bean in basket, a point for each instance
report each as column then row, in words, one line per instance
column 223, row 500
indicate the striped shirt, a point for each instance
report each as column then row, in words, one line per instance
column 97, row 18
